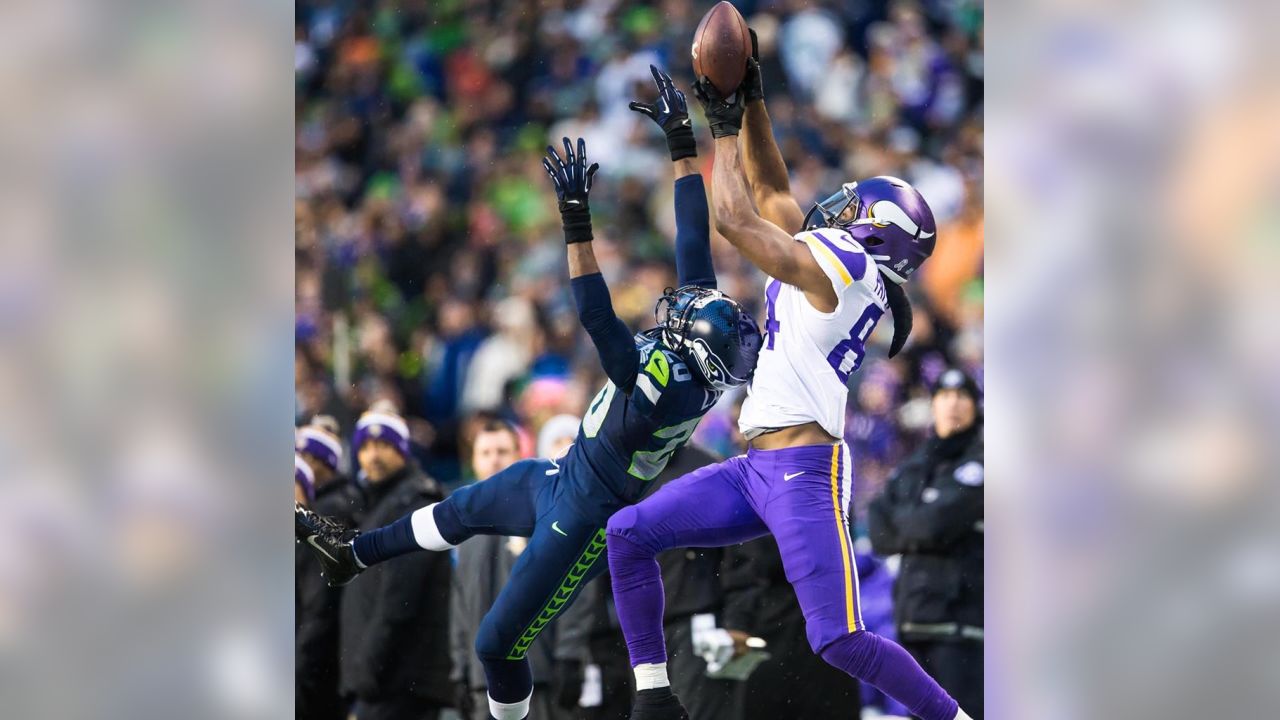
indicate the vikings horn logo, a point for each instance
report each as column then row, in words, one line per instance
column 887, row 212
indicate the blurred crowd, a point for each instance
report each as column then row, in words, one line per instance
column 430, row 277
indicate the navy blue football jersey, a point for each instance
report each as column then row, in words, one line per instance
column 626, row 438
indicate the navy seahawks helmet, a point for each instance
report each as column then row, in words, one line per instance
column 887, row 216
column 718, row 339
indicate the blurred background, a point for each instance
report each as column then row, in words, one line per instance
column 430, row 262
column 1130, row 391
column 430, row 270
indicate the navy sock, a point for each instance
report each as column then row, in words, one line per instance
column 510, row 681
column 387, row 542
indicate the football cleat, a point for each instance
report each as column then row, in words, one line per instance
column 330, row 541
column 658, row 704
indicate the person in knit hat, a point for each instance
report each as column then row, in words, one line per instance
column 381, row 445
column 304, row 481
column 319, row 450
column 390, row 677
column 318, row 444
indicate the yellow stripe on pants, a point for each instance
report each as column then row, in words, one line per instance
column 844, row 540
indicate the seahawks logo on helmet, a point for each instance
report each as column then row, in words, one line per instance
column 717, row 338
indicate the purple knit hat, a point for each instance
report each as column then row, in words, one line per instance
column 321, row 445
column 382, row 426
column 303, row 476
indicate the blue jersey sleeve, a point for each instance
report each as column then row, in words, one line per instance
column 614, row 344
column 653, row 376
column 664, row 390
column 693, row 234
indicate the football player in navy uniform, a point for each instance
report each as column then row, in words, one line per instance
column 661, row 382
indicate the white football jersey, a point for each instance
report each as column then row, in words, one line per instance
column 808, row 356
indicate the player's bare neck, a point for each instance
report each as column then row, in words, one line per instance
column 794, row 436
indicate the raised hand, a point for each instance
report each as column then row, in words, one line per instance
column 572, row 179
column 724, row 115
column 671, row 113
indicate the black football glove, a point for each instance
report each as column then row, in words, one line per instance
column 567, row 684
column 572, row 179
column 752, row 84
column 724, row 115
column 672, row 115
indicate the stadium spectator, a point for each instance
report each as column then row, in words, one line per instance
column 319, row 446
column 395, row 617
column 304, row 482
column 483, row 565
column 556, row 434
column 316, row 635
column 931, row 513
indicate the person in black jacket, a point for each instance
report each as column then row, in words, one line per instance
column 395, row 617
column 316, row 673
column 931, row 513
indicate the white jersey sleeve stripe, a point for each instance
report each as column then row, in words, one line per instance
column 646, row 386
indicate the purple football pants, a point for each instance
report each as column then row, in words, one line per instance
column 800, row 495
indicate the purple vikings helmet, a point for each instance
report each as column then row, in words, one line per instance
column 886, row 216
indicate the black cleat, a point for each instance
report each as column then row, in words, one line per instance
column 330, row 541
column 658, row 704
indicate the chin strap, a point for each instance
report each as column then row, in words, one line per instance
column 900, row 306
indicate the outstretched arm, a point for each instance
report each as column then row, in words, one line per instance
column 613, row 341
column 767, row 246
column 693, row 231
column 766, row 172
column 614, row 344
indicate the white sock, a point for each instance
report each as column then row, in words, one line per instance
column 425, row 532
column 650, row 676
column 510, row 711
column 962, row 715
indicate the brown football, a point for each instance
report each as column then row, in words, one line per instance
column 721, row 46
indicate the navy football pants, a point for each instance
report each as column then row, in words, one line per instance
column 529, row 499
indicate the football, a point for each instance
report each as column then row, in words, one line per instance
column 721, row 46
